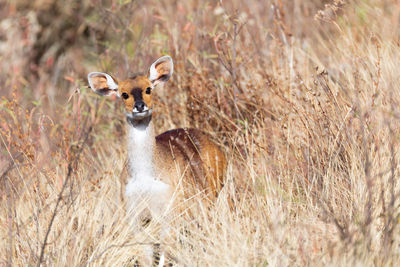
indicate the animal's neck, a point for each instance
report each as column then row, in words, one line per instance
column 141, row 141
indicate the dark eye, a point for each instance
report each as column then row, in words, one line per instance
column 148, row 90
column 125, row 96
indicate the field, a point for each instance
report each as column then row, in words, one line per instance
column 303, row 97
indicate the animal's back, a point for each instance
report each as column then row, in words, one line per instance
column 191, row 155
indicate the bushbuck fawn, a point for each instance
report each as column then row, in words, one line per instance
column 158, row 164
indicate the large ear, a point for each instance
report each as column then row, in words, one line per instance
column 161, row 70
column 103, row 84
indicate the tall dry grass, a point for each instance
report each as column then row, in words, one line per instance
column 302, row 95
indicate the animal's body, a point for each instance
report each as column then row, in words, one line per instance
column 164, row 168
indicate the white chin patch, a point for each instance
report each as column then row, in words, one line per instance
column 136, row 111
column 139, row 115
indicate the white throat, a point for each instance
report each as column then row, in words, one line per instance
column 142, row 184
column 140, row 152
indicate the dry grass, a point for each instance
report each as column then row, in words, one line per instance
column 302, row 96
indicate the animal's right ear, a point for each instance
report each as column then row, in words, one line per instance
column 161, row 70
column 103, row 84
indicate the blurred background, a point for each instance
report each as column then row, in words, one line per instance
column 302, row 96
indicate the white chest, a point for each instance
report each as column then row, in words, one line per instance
column 143, row 188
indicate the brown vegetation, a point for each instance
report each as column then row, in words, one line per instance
column 302, row 95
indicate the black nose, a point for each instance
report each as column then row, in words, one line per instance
column 139, row 106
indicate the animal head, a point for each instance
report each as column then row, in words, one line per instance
column 136, row 92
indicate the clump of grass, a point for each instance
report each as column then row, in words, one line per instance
column 301, row 96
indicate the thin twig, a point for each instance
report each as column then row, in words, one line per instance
column 3, row 177
column 120, row 246
column 60, row 196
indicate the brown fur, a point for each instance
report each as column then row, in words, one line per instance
column 99, row 82
column 137, row 82
column 184, row 159
column 187, row 153
column 179, row 153
column 193, row 156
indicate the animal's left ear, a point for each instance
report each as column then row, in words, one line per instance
column 103, row 84
column 161, row 70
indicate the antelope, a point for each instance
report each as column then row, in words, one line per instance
column 184, row 160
